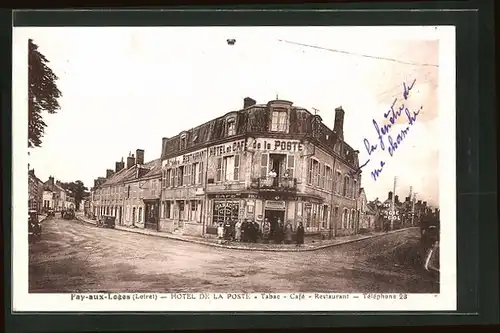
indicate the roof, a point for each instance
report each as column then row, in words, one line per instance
column 129, row 174
column 155, row 169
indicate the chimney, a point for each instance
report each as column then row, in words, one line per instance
column 139, row 156
column 247, row 102
column 119, row 165
column 419, row 202
column 95, row 183
column 51, row 181
column 407, row 199
column 389, row 196
column 396, row 198
column 109, row 173
column 424, row 203
column 163, row 145
column 338, row 127
column 130, row 161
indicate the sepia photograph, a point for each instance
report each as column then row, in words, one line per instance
column 234, row 168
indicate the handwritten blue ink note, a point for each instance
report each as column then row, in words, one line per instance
column 383, row 130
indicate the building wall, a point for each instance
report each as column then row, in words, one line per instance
column 48, row 201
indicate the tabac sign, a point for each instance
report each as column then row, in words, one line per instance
column 193, row 157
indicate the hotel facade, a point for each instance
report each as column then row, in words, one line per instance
column 274, row 160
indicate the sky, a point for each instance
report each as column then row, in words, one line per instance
column 126, row 88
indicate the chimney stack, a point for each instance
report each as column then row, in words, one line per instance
column 139, row 156
column 51, row 181
column 95, row 183
column 419, row 202
column 247, row 102
column 396, row 198
column 119, row 165
column 338, row 126
column 407, row 199
column 109, row 173
column 389, row 196
column 425, row 203
column 130, row 161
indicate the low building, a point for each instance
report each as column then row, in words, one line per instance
column 54, row 196
column 275, row 161
column 122, row 192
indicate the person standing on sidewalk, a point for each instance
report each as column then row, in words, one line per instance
column 220, row 233
column 300, row 234
column 266, row 229
column 237, row 228
column 288, row 232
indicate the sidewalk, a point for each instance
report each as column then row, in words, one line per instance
column 317, row 245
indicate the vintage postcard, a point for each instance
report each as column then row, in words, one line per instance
column 234, row 169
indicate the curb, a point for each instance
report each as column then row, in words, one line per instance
column 233, row 247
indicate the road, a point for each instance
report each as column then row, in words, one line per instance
column 73, row 256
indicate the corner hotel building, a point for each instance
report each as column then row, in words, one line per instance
column 273, row 160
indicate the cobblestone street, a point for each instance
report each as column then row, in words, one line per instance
column 73, row 256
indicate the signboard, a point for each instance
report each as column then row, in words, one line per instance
column 275, row 145
column 185, row 159
column 277, row 205
column 228, row 148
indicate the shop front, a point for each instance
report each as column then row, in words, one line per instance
column 152, row 213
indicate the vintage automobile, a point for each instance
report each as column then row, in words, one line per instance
column 68, row 214
column 34, row 227
column 106, row 221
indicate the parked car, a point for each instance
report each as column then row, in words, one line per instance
column 68, row 214
column 34, row 227
column 106, row 221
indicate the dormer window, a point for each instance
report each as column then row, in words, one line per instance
column 279, row 121
column 231, row 126
column 182, row 142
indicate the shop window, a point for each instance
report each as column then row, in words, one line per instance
column 279, row 122
column 326, row 215
column 225, row 211
column 182, row 214
column 140, row 214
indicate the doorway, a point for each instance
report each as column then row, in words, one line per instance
column 273, row 216
column 277, row 163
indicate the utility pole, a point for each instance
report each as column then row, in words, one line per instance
column 393, row 204
column 413, row 208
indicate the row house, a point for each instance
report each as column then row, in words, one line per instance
column 274, row 160
column 35, row 192
column 55, row 197
column 130, row 193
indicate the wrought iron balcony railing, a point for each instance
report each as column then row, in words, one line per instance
column 275, row 183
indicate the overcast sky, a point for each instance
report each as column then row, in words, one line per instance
column 126, row 88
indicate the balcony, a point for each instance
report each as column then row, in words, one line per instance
column 277, row 184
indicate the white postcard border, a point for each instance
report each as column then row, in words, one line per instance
column 22, row 301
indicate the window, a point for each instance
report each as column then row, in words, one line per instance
column 232, row 168
column 187, row 175
column 279, row 121
column 182, row 142
column 263, row 165
column 219, row 169
column 317, row 173
column 231, row 127
column 346, row 185
column 323, row 177
column 354, row 188
column 200, row 173
column 168, row 178
column 140, row 214
column 314, row 173
column 180, row 176
column 195, row 175
column 173, row 177
column 338, row 182
column 290, row 165
column 328, row 178
column 345, row 216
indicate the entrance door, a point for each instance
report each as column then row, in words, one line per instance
column 273, row 216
